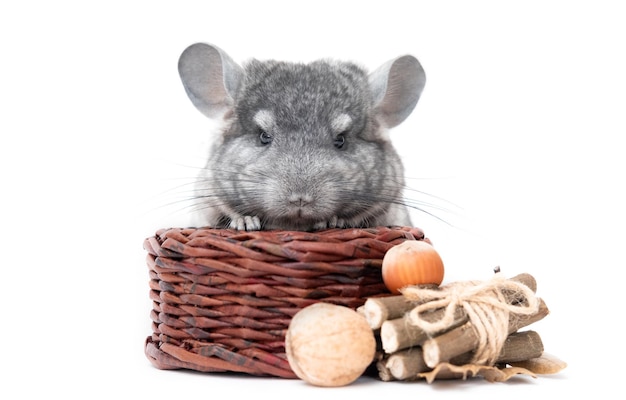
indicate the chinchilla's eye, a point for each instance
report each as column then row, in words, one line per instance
column 340, row 141
column 264, row 137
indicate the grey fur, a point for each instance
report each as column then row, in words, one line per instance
column 303, row 146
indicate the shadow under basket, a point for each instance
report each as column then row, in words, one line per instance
column 223, row 299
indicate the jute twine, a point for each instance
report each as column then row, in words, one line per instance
column 489, row 305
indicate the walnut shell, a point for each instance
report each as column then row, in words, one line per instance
column 329, row 345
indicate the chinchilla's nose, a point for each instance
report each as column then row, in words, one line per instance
column 299, row 199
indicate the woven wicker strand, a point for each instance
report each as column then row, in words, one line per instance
column 223, row 299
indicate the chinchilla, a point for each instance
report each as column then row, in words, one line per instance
column 301, row 146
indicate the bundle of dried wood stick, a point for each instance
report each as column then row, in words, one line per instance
column 474, row 324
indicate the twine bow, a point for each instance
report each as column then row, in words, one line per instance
column 488, row 306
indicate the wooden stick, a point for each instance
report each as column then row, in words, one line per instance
column 526, row 279
column 380, row 309
column 383, row 372
column 407, row 364
column 519, row 346
column 464, row 338
column 400, row 334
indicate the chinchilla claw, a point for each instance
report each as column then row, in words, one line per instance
column 246, row 223
column 334, row 222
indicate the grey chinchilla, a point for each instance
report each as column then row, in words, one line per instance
column 302, row 146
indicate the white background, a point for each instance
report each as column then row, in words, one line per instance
column 520, row 130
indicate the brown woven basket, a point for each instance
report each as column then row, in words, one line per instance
column 223, row 299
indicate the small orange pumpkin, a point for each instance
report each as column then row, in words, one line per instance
column 412, row 262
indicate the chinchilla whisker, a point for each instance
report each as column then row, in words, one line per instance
column 189, row 183
column 239, row 170
column 188, row 204
column 431, row 196
column 420, row 203
column 428, row 207
column 429, row 213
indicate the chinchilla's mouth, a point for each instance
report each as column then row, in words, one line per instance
column 296, row 221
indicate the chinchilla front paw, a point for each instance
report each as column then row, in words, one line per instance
column 246, row 223
column 334, row 222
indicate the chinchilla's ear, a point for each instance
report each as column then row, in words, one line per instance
column 210, row 77
column 396, row 87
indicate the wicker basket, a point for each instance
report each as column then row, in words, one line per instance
column 223, row 299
